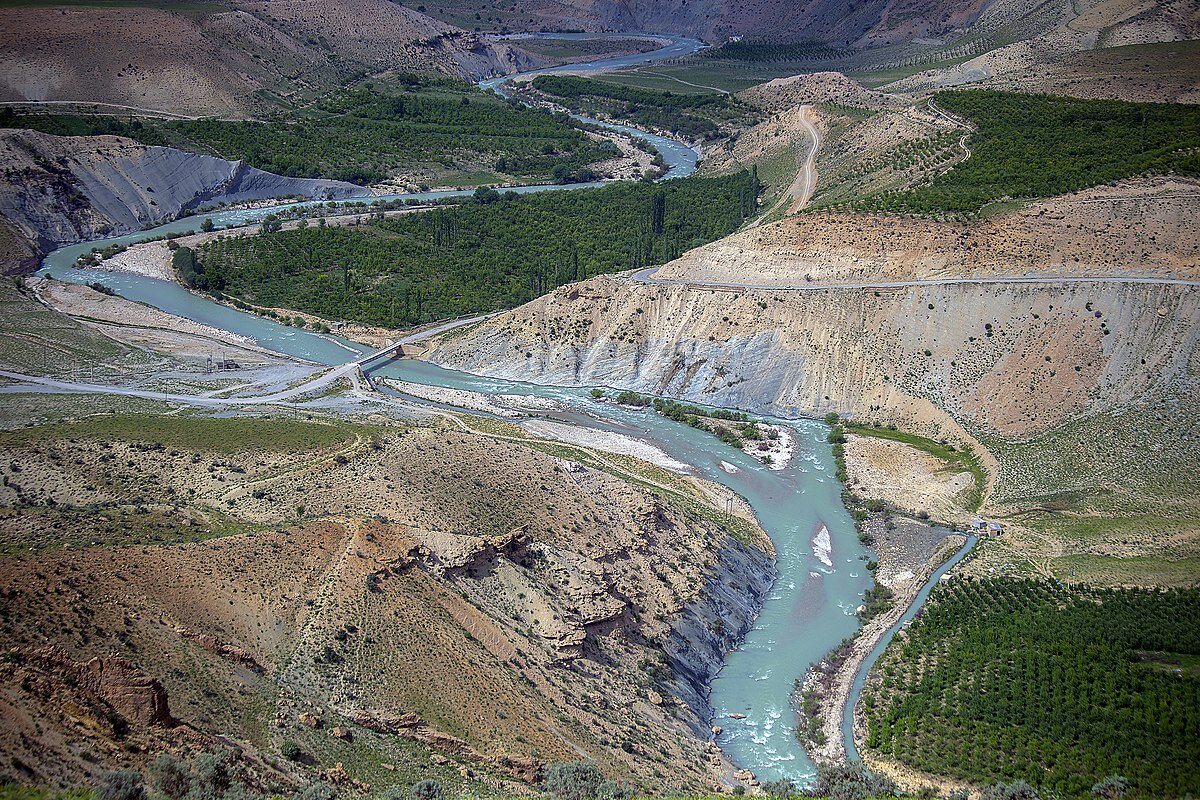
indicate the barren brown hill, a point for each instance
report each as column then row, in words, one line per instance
column 1142, row 227
column 1119, row 49
column 233, row 60
column 447, row 604
column 870, row 22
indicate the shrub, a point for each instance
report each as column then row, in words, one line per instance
column 1017, row 790
column 317, row 790
column 784, row 787
column 1113, row 787
column 573, row 780
column 121, row 785
column 291, row 751
column 212, row 774
column 170, row 776
column 615, row 790
column 850, row 781
column 239, row 792
column 427, row 789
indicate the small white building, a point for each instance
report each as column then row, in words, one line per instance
column 995, row 528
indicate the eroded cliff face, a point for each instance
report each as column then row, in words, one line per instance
column 1009, row 359
column 59, row 190
column 713, row 624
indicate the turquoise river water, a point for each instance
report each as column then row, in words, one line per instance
column 821, row 569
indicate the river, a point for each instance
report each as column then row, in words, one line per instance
column 680, row 158
column 860, row 676
column 821, row 569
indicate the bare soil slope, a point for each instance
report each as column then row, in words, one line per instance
column 1142, row 227
column 441, row 602
column 232, row 62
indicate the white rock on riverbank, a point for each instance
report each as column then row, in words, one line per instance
column 607, row 441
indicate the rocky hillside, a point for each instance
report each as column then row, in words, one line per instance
column 1140, row 227
column 229, row 59
column 1004, row 358
column 406, row 603
column 966, row 361
column 66, row 189
column 1118, row 49
column 869, row 22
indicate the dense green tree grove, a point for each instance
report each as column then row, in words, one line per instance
column 490, row 253
column 1027, row 146
column 697, row 115
column 367, row 134
column 762, row 52
column 1028, row 680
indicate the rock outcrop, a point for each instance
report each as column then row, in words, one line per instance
column 493, row 601
column 59, row 190
column 110, row 681
column 714, row 624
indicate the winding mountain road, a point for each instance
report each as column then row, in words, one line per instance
column 962, row 140
column 647, row 275
column 802, row 187
column 805, row 184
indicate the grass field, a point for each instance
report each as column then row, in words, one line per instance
column 658, row 79
column 585, row 49
column 36, row 408
column 36, row 340
column 228, row 436
column 1108, row 499
column 956, row 459
column 1076, row 467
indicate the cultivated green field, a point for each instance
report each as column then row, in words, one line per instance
column 216, row 435
column 36, row 340
column 1029, row 146
column 1004, row 680
column 494, row 252
column 441, row 129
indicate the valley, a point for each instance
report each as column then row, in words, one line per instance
column 658, row 416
